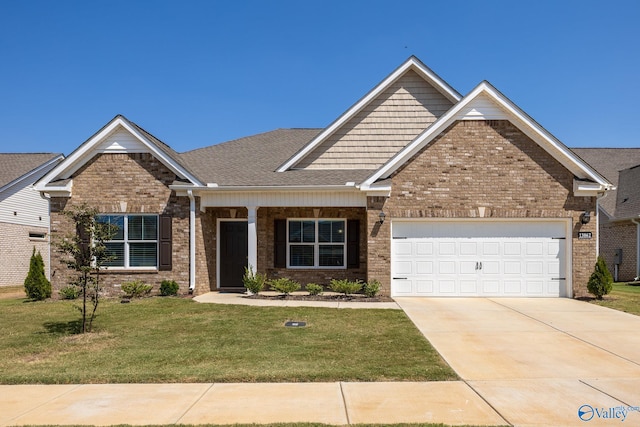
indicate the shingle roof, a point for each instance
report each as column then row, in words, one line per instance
column 15, row 165
column 628, row 197
column 252, row 161
column 609, row 161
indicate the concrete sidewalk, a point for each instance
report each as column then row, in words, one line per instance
column 331, row 403
column 239, row 299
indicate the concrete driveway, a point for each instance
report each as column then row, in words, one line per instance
column 539, row 361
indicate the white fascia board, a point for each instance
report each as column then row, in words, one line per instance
column 525, row 123
column 57, row 191
column 25, row 179
column 79, row 157
column 412, row 63
column 587, row 188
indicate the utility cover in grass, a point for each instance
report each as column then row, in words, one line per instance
column 292, row 324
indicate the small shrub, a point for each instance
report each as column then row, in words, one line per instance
column 69, row 292
column 601, row 282
column 371, row 288
column 36, row 285
column 169, row 288
column 136, row 289
column 284, row 285
column 314, row 289
column 345, row 286
column 254, row 282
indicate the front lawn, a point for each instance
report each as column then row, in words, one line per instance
column 623, row 297
column 178, row 340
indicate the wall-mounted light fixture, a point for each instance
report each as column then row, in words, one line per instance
column 585, row 217
column 382, row 216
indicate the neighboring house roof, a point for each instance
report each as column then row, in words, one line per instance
column 628, row 200
column 609, row 162
column 252, row 161
column 17, row 166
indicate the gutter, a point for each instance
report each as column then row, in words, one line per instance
column 213, row 187
column 192, row 241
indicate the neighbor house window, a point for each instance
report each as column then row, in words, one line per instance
column 135, row 243
column 316, row 243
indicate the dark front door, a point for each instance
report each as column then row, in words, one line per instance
column 233, row 253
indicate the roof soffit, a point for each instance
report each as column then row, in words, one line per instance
column 485, row 102
column 413, row 64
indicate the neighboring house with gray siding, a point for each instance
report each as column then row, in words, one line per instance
column 24, row 213
column 619, row 209
column 428, row 191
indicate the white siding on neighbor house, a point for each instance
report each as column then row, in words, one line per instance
column 382, row 128
column 284, row 199
column 24, row 206
column 121, row 141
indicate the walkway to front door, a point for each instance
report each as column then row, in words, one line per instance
column 233, row 253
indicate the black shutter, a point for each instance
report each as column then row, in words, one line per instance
column 353, row 243
column 84, row 258
column 166, row 249
column 280, row 243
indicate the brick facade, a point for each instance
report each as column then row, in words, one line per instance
column 619, row 235
column 488, row 164
column 125, row 183
column 16, row 248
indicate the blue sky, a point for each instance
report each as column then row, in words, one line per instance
column 196, row 73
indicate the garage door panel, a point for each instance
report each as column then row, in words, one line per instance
column 447, row 286
column 447, row 248
column 478, row 258
column 468, row 267
column 424, row 248
column 513, row 287
column 468, row 248
column 403, row 267
column 490, row 248
column 512, row 249
column 446, row 267
column 468, row 287
column 424, row 267
column 490, row 267
column 404, row 248
column 534, row 248
column 402, row 287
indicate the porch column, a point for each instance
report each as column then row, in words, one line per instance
column 252, row 238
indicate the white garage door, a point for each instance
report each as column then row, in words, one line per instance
column 478, row 258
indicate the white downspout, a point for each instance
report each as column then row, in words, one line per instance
column 637, row 223
column 598, row 198
column 192, row 241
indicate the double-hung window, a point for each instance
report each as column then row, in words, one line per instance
column 316, row 243
column 135, row 242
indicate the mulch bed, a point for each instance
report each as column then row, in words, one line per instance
column 331, row 298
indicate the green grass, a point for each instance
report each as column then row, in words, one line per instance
column 623, row 297
column 177, row 340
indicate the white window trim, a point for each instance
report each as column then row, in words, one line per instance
column 316, row 246
column 126, row 242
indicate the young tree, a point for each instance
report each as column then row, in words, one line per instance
column 87, row 254
column 601, row 282
column 36, row 285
